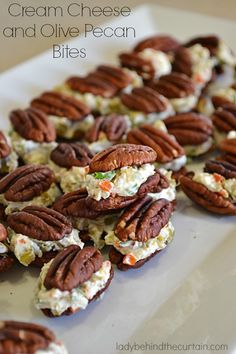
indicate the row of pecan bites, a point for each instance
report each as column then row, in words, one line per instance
column 213, row 189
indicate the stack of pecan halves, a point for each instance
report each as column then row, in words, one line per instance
column 99, row 162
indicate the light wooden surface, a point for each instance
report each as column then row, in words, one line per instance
column 14, row 51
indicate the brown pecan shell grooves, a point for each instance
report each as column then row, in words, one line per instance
column 72, row 267
column 75, row 204
column 163, row 43
column 183, row 62
column 174, row 85
column 33, row 124
column 224, row 118
column 189, row 128
column 122, row 155
column 5, row 149
column 223, row 168
column 144, row 99
column 166, row 147
column 40, row 223
column 23, row 338
column 71, row 154
column 211, row 201
column 58, row 104
column 113, row 126
column 143, row 219
column 26, row 182
column 105, row 81
column 229, row 146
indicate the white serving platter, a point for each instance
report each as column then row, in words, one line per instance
column 185, row 295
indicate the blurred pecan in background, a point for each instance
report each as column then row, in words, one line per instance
column 113, row 126
column 33, row 124
column 71, row 154
column 58, row 104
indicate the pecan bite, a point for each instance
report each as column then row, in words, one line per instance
column 105, row 81
column 5, row 149
column 224, row 118
column 60, row 105
column 223, row 168
column 189, row 128
column 40, row 223
column 166, row 147
column 183, row 62
column 143, row 219
column 163, row 43
column 174, row 85
column 33, row 124
column 75, row 204
column 122, row 155
column 142, row 66
column 82, row 271
column 26, row 338
column 211, row 201
column 113, row 126
column 71, row 154
column 26, row 182
column 145, row 100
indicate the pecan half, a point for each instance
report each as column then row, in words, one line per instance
column 58, row 104
column 143, row 219
column 220, row 101
column 32, row 124
column 202, row 196
column 72, row 267
column 166, row 147
column 105, row 81
column 71, row 154
column 75, row 204
column 224, row 118
column 144, row 99
column 23, row 338
column 26, row 182
column 154, row 184
column 5, row 149
column 113, row 126
column 183, row 62
column 174, row 85
column 210, row 42
column 189, row 128
column 163, row 43
column 134, row 61
column 122, row 155
column 40, row 223
column 225, row 169
column 227, row 158
column 228, row 146
column 3, row 233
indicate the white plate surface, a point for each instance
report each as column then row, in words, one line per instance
column 184, row 295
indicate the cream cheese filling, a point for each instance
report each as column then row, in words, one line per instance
column 175, row 164
column 26, row 249
column 225, row 54
column 134, row 251
column 123, row 182
column 45, row 199
column 196, row 150
column 217, row 184
column 160, row 61
column 227, row 92
column 30, row 151
column 96, row 228
column 202, row 64
column 78, row 298
column 53, row 348
column 67, row 128
column 3, row 249
column 231, row 134
column 184, row 104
